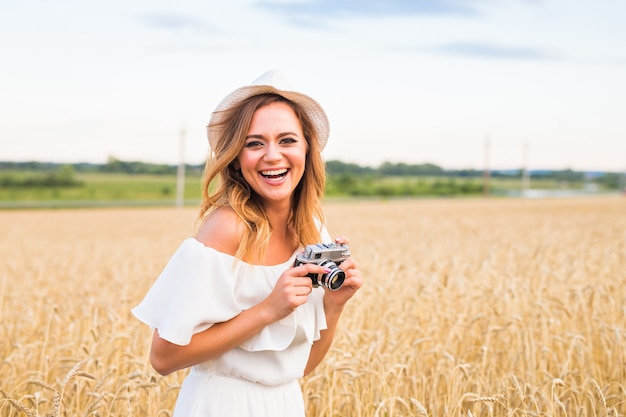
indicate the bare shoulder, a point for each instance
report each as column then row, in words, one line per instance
column 221, row 230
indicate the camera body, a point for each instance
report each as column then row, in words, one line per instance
column 329, row 255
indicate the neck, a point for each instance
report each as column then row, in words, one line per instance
column 279, row 216
column 282, row 241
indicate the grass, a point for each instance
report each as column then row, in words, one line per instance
column 472, row 307
column 102, row 190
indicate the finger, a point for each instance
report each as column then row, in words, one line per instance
column 353, row 280
column 306, row 269
column 342, row 240
column 305, row 288
column 349, row 263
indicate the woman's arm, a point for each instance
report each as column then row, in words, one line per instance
column 322, row 345
column 167, row 357
column 221, row 232
column 291, row 290
column 334, row 302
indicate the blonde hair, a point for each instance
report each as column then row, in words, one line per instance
column 224, row 186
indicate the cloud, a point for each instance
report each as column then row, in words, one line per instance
column 491, row 51
column 174, row 22
column 371, row 8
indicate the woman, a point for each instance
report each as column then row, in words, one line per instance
column 230, row 304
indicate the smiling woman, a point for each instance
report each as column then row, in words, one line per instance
column 231, row 304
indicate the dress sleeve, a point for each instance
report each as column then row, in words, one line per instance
column 192, row 293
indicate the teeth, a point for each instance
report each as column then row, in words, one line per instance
column 274, row 172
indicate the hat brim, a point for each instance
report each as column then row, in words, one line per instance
column 312, row 108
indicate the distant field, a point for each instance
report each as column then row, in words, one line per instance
column 107, row 189
column 104, row 189
column 471, row 307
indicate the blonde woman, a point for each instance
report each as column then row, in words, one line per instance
column 230, row 304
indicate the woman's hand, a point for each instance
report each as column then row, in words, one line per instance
column 351, row 284
column 291, row 291
column 294, row 286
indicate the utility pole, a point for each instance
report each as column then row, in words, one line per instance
column 487, row 171
column 180, row 173
column 525, row 171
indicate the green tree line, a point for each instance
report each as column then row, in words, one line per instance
column 348, row 179
column 60, row 176
column 334, row 167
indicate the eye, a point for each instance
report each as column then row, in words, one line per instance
column 288, row 140
column 253, row 144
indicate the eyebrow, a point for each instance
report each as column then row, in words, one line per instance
column 280, row 135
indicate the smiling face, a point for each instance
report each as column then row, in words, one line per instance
column 273, row 157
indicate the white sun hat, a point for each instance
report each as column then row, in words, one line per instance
column 272, row 81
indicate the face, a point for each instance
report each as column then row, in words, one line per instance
column 273, row 158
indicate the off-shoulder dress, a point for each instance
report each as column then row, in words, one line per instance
column 199, row 287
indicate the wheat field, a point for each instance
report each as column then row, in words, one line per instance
column 481, row 307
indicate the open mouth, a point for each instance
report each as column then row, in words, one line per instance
column 274, row 174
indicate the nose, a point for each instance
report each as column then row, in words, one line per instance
column 272, row 153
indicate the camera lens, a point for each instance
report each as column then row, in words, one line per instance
column 334, row 279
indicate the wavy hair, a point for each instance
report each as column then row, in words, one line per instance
column 224, row 186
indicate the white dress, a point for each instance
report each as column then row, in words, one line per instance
column 200, row 287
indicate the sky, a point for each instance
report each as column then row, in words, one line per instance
column 458, row 83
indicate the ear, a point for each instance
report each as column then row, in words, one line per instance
column 236, row 165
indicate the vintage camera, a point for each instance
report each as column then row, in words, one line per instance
column 329, row 255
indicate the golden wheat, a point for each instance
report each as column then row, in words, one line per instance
column 471, row 308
